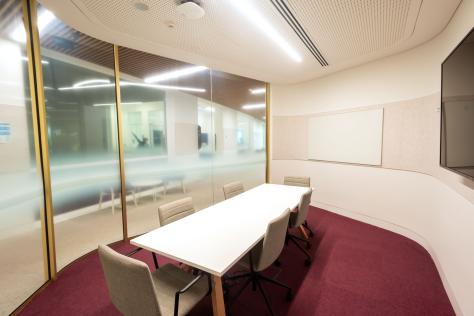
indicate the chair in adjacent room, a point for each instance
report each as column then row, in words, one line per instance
column 263, row 255
column 175, row 210
column 232, row 189
column 134, row 290
column 300, row 182
column 296, row 220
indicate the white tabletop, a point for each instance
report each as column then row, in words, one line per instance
column 217, row 237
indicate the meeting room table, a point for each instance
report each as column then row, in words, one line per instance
column 217, row 237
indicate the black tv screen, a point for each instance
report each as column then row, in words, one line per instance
column 457, row 109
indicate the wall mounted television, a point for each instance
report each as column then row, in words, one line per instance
column 457, row 109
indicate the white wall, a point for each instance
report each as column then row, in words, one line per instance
column 436, row 210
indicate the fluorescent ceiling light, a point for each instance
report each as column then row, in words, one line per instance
column 257, row 91
column 127, row 83
column 105, row 85
column 246, row 8
column 253, row 106
column 113, row 104
column 44, row 62
column 208, row 109
column 174, row 74
column 162, row 87
column 89, row 82
column 45, row 17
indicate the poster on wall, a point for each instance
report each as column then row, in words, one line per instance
column 5, row 132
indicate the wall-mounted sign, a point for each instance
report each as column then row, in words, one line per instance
column 5, row 132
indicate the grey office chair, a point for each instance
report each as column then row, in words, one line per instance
column 175, row 210
column 170, row 212
column 264, row 255
column 135, row 291
column 232, row 189
column 297, row 219
column 300, row 182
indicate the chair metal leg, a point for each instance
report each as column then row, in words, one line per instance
column 240, row 291
column 308, row 256
column 275, row 282
column 264, row 297
column 112, row 199
column 308, row 243
column 155, row 261
column 234, row 277
column 305, row 224
column 101, row 196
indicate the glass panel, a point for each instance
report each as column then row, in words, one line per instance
column 166, row 140
column 82, row 134
column 238, row 105
column 21, row 195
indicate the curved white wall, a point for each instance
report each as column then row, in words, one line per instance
column 437, row 210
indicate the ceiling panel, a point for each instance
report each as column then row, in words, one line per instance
column 348, row 33
column 346, row 29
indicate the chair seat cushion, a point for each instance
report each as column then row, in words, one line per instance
column 168, row 280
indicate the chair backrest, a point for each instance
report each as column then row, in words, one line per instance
column 129, row 282
column 297, row 181
column 303, row 207
column 233, row 189
column 175, row 210
column 273, row 242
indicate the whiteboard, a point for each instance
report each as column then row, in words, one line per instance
column 351, row 137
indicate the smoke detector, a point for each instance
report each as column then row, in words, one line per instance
column 190, row 9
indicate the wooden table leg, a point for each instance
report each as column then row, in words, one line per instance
column 303, row 232
column 218, row 306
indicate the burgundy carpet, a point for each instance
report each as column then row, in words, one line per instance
column 358, row 269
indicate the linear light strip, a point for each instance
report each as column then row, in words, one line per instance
column 254, row 106
column 126, row 83
column 286, row 13
column 175, row 74
column 246, row 8
column 257, row 91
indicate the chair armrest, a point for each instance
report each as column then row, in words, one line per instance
column 187, row 287
column 131, row 253
column 190, row 284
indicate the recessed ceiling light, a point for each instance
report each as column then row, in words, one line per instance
column 257, row 91
column 246, row 8
column 254, row 106
column 141, row 6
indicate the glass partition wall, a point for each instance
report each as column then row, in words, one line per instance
column 185, row 130
column 22, row 257
column 78, row 76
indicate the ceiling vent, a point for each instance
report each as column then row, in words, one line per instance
column 289, row 17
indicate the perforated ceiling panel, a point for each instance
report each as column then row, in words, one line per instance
column 346, row 32
column 345, row 29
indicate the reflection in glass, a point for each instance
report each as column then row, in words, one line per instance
column 165, row 142
column 21, row 194
column 186, row 134
column 82, row 135
column 239, row 128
